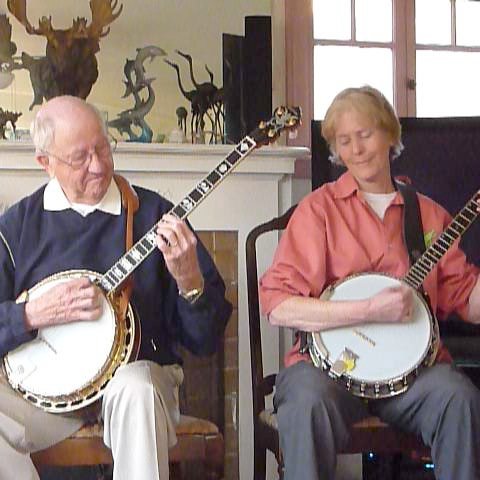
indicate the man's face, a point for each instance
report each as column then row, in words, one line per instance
column 80, row 135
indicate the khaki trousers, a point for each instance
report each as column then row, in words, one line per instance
column 139, row 410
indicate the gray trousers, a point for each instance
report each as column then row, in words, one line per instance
column 314, row 415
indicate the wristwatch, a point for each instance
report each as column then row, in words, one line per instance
column 192, row 295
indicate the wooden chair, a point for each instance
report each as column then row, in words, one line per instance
column 198, row 440
column 369, row 435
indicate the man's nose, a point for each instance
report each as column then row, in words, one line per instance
column 96, row 164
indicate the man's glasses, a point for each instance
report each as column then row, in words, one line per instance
column 80, row 158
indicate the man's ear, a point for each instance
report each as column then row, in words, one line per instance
column 44, row 161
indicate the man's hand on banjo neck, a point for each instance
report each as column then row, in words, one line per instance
column 71, row 301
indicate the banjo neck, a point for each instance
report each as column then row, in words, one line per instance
column 126, row 264
column 432, row 255
column 266, row 132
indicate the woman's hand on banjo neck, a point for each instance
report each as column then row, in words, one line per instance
column 71, row 301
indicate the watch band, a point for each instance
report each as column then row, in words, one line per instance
column 192, row 295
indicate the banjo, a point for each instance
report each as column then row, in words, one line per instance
column 52, row 371
column 382, row 360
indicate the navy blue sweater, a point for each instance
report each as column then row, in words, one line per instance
column 38, row 243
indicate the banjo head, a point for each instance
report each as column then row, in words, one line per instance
column 66, row 367
column 382, row 357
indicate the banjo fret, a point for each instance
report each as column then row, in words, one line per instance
column 418, row 275
column 233, row 157
column 450, row 239
column 126, row 264
column 430, row 256
column 422, row 268
column 470, row 211
column 457, row 227
column 412, row 283
column 443, row 245
column 196, row 195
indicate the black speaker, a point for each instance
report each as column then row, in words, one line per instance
column 234, row 126
column 247, row 77
column 257, row 60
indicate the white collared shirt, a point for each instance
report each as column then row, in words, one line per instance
column 55, row 200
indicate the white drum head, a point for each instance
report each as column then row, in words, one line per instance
column 385, row 351
column 64, row 358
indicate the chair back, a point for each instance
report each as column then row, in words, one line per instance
column 264, row 438
column 260, row 386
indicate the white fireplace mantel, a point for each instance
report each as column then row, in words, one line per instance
column 257, row 190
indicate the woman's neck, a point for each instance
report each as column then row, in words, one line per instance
column 385, row 186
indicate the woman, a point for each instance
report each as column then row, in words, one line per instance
column 350, row 226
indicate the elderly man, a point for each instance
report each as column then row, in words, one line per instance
column 76, row 221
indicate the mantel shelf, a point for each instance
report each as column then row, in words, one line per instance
column 157, row 157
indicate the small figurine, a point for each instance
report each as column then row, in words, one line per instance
column 5, row 117
column 206, row 101
column 182, row 119
column 135, row 82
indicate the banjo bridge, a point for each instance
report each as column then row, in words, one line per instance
column 345, row 363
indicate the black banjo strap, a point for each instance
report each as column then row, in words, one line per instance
column 412, row 222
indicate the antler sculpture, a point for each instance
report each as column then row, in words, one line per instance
column 69, row 66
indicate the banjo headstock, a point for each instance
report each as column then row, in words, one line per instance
column 283, row 118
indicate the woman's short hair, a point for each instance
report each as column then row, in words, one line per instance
column 372, row 104
column 42, row 128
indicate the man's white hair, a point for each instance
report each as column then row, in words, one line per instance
column 42, row 128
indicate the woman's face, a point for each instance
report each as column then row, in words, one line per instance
column 365, row 151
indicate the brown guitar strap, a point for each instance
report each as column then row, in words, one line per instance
column 130, row 203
